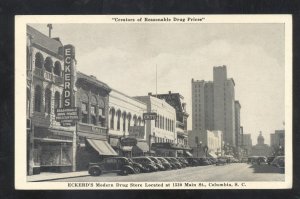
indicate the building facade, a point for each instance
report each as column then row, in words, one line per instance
column 247, row 143
column 176, row 101
column 214, row 107
column 206, row 143
column 161, row 133
column 92, row 98
column 278, row 142
column 126, row 125
column 261, row 149
column 50, row 146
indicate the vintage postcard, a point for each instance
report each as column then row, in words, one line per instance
column 153, row 102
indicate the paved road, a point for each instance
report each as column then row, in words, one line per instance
column 230, row 172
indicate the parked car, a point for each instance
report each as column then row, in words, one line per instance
column 221, row 161
column 183, row 161
column 203, row 161
column 165, row 163
column 119, row 165
column 146, row 162
column 192, row 161
column 279, row 162
column 157, row 163
column 270, row 159
column 213, row 160
column 138, row 168
column 175, row 162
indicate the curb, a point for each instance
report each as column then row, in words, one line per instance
column 58, row 178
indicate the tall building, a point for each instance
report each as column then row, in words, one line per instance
column 277, row 142
column 238, row 132
column 213, row 105
column 247, row 141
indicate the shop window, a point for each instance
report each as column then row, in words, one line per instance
column 56, row 154
column 37, row 99
column 39, row 60
column 48, row 101
column 56, row 100
column 57, row 68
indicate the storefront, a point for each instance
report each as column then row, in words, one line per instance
column 92, row 145
column 141, row 149
column 53, row 150
column 171, row 150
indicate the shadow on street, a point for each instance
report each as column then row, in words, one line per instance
column 265, row 168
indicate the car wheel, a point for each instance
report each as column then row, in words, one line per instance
column 125, row 172
column 94, row 171
column 137, row 170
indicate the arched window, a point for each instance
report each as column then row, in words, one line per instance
column 124, row 121
column 84, row 107
column 134, row 120
column 93, row 110
column 112, row 115
column 56, row 100
column 48, row 101
column 129, row 120
column 57, row 68
column 37, row 98
column 139, row 121
column 118, row 119
column 39, row 60
column 48, row 64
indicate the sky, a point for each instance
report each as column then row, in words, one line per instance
column 125, row 57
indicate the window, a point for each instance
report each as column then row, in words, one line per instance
column 124, row 122
column 129, row 120
column 39, row 60
column 112, row 115
column 101, row 111
column 118, row 120
column 57, row 68
column 93, row 110
column 37, row 99
column 56, row 100
column 48, row 101
column 48, row 64
column 84, row 112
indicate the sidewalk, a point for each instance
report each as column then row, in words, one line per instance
column 47, row 176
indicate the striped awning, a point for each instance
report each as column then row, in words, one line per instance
column 102, row 147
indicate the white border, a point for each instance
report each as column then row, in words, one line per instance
column 20, row 91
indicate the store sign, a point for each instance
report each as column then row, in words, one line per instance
column 128, row 142
column 149, row 116
column 137, row 131
column 68, row 76
column 68, row 115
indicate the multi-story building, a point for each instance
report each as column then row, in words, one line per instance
column 92, row 97
column 247, row 143
column 51, row 147
column 261, row 149
column 176, row 101
column 206, row 143
column 278, row 142
column 213, row 105
column 161, row 133
column 126, row 125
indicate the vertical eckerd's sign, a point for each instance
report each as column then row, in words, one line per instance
column 69, row 55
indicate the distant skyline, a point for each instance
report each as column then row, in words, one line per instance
column 125, row 56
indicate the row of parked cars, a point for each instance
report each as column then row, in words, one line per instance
column 134, row 165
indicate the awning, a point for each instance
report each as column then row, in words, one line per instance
column 141, row 146
column 102, row 147
column 126, row 148
column 188, row 153
column 213, row 155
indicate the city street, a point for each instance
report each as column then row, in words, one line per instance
column 230, row 172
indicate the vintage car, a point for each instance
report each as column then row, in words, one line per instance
column 138, row 168
column 221, row 161
column 278, row 162
column 157, row 163
column 119, row 165
column 183, row 161
column 146, row 163
column 165, row 163
column 175, row 162
column 192, row 161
